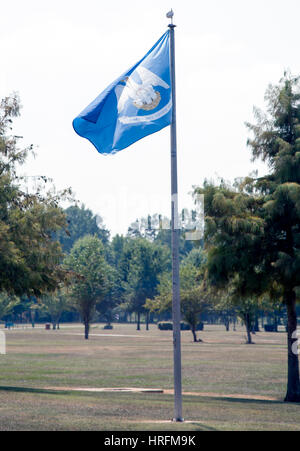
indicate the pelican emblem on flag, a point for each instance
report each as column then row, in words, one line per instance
column 142, row 94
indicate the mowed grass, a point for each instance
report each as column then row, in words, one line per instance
column 38, row 363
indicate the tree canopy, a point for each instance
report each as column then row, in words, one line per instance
column 81, row 221
column 29, row 257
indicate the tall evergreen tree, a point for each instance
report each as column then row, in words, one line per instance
column 276, row 139
column 253, row 231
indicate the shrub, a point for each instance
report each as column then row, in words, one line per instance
column 108, row 326
column 164, row 325
column 269, row 328
column 168, row 325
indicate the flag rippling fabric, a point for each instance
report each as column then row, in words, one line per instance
column 135, row 105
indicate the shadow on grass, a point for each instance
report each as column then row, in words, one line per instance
column 34, row 390
column 201, row 426
column 186, row 398
column 197, row 425
column 235, row 400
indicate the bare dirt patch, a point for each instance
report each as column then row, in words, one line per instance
column 110, row 390
column 165, row 391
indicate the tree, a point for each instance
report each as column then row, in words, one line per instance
column 233, row 233
column 7, row 304
column 157, row 228
column 193, row 296
column 86, row 261
column 224, row 307
column 253, row 231
column 246, row 309
column 81, row 221
column 229, row 302
column 147, row 227
column 113, row 294
column 185, row 246
column 146, row 262
column 29, row 257
column 55, row 304
column 276, row 139
column 273, row 307
column 196, row 257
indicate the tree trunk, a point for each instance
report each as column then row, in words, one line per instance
column 138, row 325
column 194, row 334
column 234, row 323
column 147, row 321
column 226, row 321
column 275, row 322
column 248, row 328
column 86, row 329
column 256, row 323
column 32, row 317
column 293, row 384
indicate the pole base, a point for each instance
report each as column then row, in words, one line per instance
column 177, row 420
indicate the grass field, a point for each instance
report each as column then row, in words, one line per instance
column 228, row 385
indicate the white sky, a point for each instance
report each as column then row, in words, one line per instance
column 60, row 54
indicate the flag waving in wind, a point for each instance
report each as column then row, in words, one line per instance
column 135, row 105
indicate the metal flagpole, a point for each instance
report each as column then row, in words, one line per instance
column 175, row 239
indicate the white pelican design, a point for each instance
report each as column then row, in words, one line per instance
column 142, row 94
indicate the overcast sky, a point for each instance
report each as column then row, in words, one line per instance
column 60, row 54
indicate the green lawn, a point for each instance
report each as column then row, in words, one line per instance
column 39, row 362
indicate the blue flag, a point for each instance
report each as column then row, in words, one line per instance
column 135, row 105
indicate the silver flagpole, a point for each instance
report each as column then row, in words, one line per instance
column 175, row 239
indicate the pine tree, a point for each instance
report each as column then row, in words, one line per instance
column 253, row 229
column 277, row 141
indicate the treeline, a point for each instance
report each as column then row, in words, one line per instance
column 129, row 279
column 247, row 266
column 105, row 279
